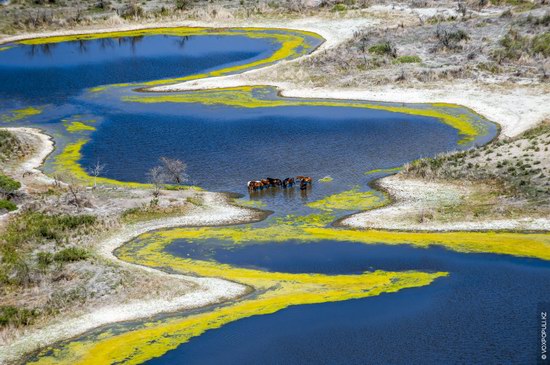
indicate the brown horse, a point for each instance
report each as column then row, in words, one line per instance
column 305, row 179
column 288, row 182
column 265, row 183
column 254, row 185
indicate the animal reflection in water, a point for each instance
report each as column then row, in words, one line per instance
column 256, row 185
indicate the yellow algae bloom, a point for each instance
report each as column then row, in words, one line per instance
column 274, row 291
column 387, row 170
column 74, row 127
column 349, row 200
column 19, row 114
column 535, row 245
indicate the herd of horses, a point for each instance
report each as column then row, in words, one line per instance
column 269, row 182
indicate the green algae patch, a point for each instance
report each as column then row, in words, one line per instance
column 76, row 126
column 384, row 171
column 465, row 122
column 251, row 203
column 326, row 179
column 275, row 291
column 5, row 48
column 350, row 200
column 20, row 114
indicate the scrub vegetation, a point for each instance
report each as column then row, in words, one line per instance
column 48, row 267
column 8, row 191
column 512, row 175
column 37, row 251
column 49, row 264
column 505, row 44
column 27, row 15
column 10, row 146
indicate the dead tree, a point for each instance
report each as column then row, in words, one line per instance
column 96, row 170
column 174, row 170
column 157, row 178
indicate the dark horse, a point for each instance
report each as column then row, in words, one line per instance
column 274, row 182
column 288, row 182
column 304, row 181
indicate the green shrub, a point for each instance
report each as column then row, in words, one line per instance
column 183, row 4
column 9, row 145
column 451, row 39
column 408, row 59
column 489, row 67
column 44, row 259
column 514, row 45
column 8, row 185
column 541, row 44
column 6, row 204
column 339, row 7
column 10, row 315
column 131, row 10
column 71, row 254
column 35, row 227
column 385, row 48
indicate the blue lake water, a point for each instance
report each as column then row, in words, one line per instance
column 224, row 147
column 485, row 312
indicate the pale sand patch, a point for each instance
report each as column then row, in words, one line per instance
column 26, row 170
column 412, row 197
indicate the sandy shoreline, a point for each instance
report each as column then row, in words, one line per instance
column 333, row 30
column 412, row 197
